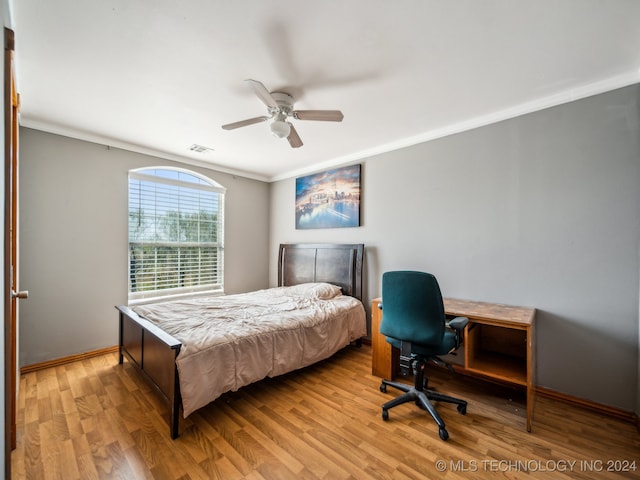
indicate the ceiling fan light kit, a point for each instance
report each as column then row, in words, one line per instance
column 280, row 128
column 280, row 107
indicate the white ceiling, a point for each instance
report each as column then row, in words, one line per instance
column 157, row 76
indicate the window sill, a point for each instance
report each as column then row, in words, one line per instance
column 170, row 298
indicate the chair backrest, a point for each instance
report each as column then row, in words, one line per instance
column 412, row 308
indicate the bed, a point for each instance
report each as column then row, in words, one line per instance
column 315, row 311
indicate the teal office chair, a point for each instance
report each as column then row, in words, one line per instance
column 413, row 320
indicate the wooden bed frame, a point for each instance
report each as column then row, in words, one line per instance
column 153, row 352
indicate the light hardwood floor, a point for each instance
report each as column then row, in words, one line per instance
column 97, row 419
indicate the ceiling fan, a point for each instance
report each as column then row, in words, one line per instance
column 280, row 107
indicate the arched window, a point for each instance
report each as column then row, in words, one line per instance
column 176, row 233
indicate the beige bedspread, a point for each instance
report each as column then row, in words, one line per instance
column 234, row 340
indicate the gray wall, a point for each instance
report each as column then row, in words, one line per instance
column 73, row 241
column 542, row 210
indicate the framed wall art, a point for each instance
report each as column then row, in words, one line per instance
column 329, row 199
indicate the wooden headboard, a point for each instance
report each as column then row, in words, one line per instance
column 336, row 263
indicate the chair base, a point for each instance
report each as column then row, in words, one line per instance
column 422, row 397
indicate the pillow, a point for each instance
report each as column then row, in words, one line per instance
column 322, row 291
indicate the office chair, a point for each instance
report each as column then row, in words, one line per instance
column 413, row 320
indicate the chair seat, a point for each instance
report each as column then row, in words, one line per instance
column 448, row 344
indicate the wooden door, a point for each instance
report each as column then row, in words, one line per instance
column 11, row 105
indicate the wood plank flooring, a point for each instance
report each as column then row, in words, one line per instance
column 95, row 419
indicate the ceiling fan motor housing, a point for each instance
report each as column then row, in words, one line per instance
column 285, row 103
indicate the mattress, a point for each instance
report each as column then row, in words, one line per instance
column 231, row 341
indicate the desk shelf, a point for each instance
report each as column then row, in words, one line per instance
column 498, row 344
column 499, row 367
column 498, row 352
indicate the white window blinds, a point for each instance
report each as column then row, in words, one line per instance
column 175, row 233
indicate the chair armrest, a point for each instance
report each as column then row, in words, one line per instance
column 458, row 323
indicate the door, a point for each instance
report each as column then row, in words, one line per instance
column 11, row 105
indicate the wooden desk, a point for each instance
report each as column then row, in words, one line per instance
column 498, row 344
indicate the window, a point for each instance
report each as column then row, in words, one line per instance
column 175, row 233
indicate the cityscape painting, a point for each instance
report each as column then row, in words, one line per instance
column 329, row 199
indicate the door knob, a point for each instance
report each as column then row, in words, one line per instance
column 23, row 294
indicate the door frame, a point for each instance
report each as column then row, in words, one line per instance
column 11, row 105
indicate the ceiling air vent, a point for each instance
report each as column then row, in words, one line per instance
column 199, row 148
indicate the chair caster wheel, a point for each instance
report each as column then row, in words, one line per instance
column 383, row 388
column 462, row 409
column 444, row 435
column 385, row 414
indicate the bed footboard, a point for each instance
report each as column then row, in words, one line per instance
column 153, row 353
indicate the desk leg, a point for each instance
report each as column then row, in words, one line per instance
column 531, row 374
column 381, row 350
column 529, row 406
column 385, row 359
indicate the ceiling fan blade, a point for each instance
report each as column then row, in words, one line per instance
column 294, row 138
column 322, row 115
column 262, row 93
column 244, row 123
